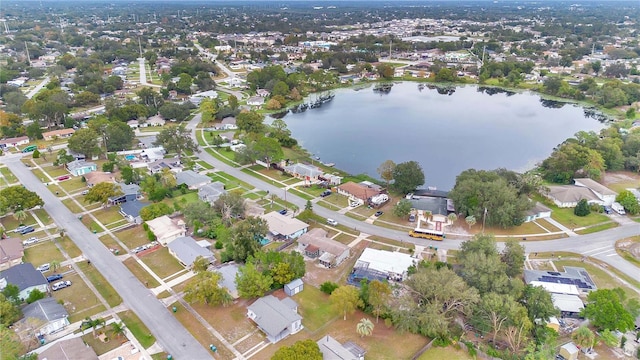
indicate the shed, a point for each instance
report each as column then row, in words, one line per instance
column 569, row 351
column 294, row 287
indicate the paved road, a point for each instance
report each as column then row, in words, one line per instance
column 169, row 333
column 38, row 87
column 599, row 245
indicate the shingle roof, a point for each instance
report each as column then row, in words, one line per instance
column 187, row 250
column 595, row 186
column 132, row 208
column 11, row 249
column 23, row 276
column 283, row 225
column 46, row 309
column 272, row 315
column 71, row 349
column 190, row 178
column 359, row 191
column 318, row 237
column 571, row 193
column 79, row 164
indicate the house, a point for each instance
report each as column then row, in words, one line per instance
column 211, row 192
column 606, row 195
column 26, row 278
column 130, row 192
column 228, row 123
column 569, row 305
column 130, row 210
column 568, row 195
column 569, row 351
column 316, row 244
column 155, row 120
column 173, row 164
column 571, row 276
column 538, row 211
column 166, row 229
column 331, row 349
column 70, row 349
column 255, row 101
column 53, row 315
column 294, row 287
column 332, row 179
column 14, row 142
column 192, row 179
column 380, row 264
column 303, row 171
column 276, row 318
column 283, row 227
column 11, row 252
column 185, row 249
column 134, row 124
column 358, row 193
column 81, row 167
column 97, row 177
column 263, row 93
column 229, row 272
column 58, row 134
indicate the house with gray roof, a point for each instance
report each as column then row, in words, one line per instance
column 70, row 349
column 53, row 316
column 303, row 171
column 25, row 277
column 331, row 349
column 192, row 179
column 81, row 167
column 173, row 164
column 130, row 192
column 276, row 318
column 606, row 195
column 569, row 195
column 211, row 192
column 185, row 249
column 130, row 210
column 317, row 244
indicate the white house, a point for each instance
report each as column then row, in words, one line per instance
column 538, row 211
column 255, row 101
column 276, row 318
column 211, row 192
column 284, row 227
column 393, row 264
column 568, row 195
column 606, row 195
column 331, row 349
column 167, row 229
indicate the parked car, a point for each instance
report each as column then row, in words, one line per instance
column 283, row 211
column 44, row 267
column 62, row 178
column 26, row 230
column 85, row 192
column 607, row 209
column 60, row 285
column 20, row 228
column 332, row 222
column 379, row 213
column 54, row 277
column 412, row 218
column 325, row 193
column 30, row 241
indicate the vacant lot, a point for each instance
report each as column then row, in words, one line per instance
column 78, row 299
column 162, row 263
column 43, row 252
column 449, row 353
column 103, row 287
column 133, row 237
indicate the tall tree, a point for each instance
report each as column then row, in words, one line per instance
column 205, row 288
column 606, row 310
column 101, row 192
column 385, row 170
column 230, row 206
column 16, row 198
column 250, row 122
column 302, row 349
column 495, row 311
column 9, row 312
column 346, row 299
column 583, row 337
column 407, row 176
column 518, row 330
column 538, row 303
column 176, row 139
column 379, row 296
column 513, row 257
column 252, row 283
column 85, row 142
column 246, row 236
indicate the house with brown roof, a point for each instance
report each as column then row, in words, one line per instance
column 96, row 177
column 58, row 134
column 358, row 193
column 317, row 245
column 11, row 252
column 14, row 142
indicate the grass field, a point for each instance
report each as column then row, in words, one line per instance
column 162, row 263
column 44, row 252
column 596, row 228
column 69, row 247
column 104, row 288
column 140, row 273
column 72, row 206
column 98, row 345
column 79, row 300
column 137, row 328
column 133, row 237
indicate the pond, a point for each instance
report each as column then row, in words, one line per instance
column 447, row 130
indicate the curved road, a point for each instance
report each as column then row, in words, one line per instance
column 169, row 332
column 600, row 245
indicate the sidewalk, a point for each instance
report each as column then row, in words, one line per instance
column 561, row 227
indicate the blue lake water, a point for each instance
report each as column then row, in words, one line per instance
column 445, row 133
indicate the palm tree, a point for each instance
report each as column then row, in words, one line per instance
column 471, row 220
column 583, row 337
column 95, row 324
column 20, row 215
column 55, row 265
column 117, row 329
column 452, row 218
column 364, row 327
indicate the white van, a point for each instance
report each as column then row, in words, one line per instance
column 617, row 207
column 332, row 222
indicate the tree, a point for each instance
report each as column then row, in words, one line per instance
column 629, row 202
column 402, row 208
column 513, row 257
column 9, row 312
column 12, row 348
column 34, row 296
column 85, row 142
column 233, row 102
column 385, row 170
column 206, row 289
column 184, row 83
column 63, row 158
column 494, row 310
column 328, row 287
column 596, row 66
column 538, row 303
column 364, row 327
column 55, row 265
column 470, row 220
column 571, row 159
column 20, row 215
column 230, row 206
column 407, row 176
column 101, row 192
column 209, row 109
column 176, row 139
column 582, row 209
column 346, row 299
column 482, row 267
column 583, row 337
column 16, row 198
column 118, row 136
column 12, row 293
column 302, row 349
column 117, row 329
column 605, row 309
column 200, row 264
column 519, row 329
column 250, row 122
column 252, row 283
column 155, row 210
column 246, row 236
column 379, row 296
column 177, row 112
column 198, row 212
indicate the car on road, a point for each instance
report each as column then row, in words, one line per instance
column 332, row 222
column 30, row 241
column 44, row 267
column 60, row 285
column 54, row 277
column 283, row 212
column 379, row 213
column 325, row 193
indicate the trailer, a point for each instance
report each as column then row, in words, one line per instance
column 617, row 207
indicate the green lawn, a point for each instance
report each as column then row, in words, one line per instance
column 55, row 171
column 43, row 216
column 566, row 217
column 8, row 175
column 79, row 300
column 69, row 247
column 72, row 185
column 43, row 252
column 162, row 263
column 10, row 223
column 336, row 199
column 133, row 237
column 108, row 215
column 110, row 243
column 220, row 157
column 229, row 181
column 104, row 288
column 140, row 273
column 72, row 206
column 137, row 328
column 314, row 307
column 98, row 345
column 597, row 228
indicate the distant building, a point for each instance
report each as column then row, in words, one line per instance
column 284, row 227
column 96, row 177
column 358, row 193
column 130, row 210
column 211, row 192
column 606, row 195
column 294, row 287
column 376, row 264
column 538, row 211
column 316, row 245
column 14, row 142
column 81, row 167
column 304, row 171
column 58, row 134
column 130, row 192
column 192, row 179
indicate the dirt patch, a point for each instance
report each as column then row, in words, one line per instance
column 620, row 176
column 633, row 247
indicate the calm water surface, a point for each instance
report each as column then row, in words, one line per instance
column 446, row 134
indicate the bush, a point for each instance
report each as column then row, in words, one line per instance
column 582, row 209
column 83, row 179
column 107, row 167
column 36, row 154
column 219, row 245
column 151, row 236
column 35, row 295
column 328, row 287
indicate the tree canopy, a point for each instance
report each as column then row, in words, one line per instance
column 605, row 308
column 176, row 139
column 15, row 198
column 407, row 176
column 302, row 349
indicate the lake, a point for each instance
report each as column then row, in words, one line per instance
column 446, row 133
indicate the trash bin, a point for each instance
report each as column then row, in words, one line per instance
column 174, row 309
column 79, row 217
column 169, row 357
column 213, row 348
column 117, row 252
column 95, row 231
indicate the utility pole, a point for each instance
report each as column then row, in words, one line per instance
column 484, row 218
column 28, row 57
